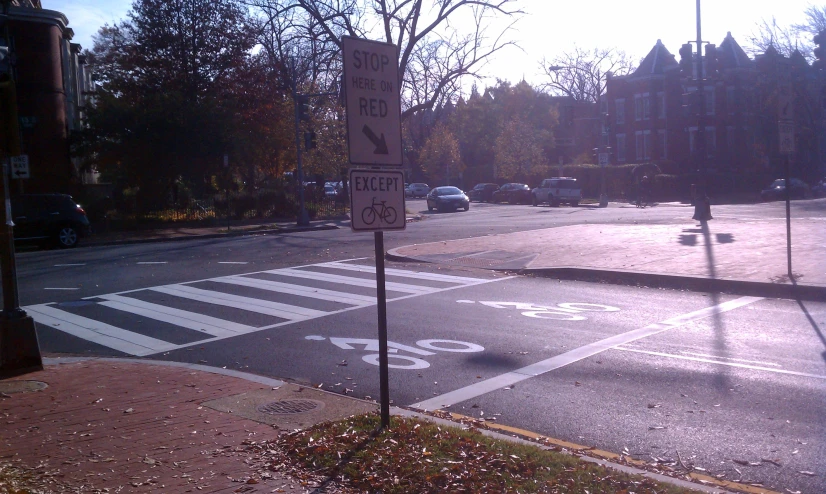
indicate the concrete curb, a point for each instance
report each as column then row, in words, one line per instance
column 657, row 280
column 239, row 233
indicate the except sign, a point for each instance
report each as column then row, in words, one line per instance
column 371, row 81
column 20, row 166
column 603, row 159
column 377, row 200
column 786, row 134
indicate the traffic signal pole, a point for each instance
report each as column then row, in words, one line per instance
column 19, row 348
column 702, row 206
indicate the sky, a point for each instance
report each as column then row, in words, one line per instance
column 551, row 27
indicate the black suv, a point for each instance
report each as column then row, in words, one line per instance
column 48, row 217
column 482, row 192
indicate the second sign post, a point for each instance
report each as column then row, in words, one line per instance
column 374, row 140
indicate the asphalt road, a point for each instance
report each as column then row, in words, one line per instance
column 729, row 384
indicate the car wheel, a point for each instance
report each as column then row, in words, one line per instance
column 553, row 202
column 429, row 207
column 574, row 204
column 67, row 237
column 467, row 206
column 534, row 201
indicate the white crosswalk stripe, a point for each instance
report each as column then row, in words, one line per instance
column 128, row 309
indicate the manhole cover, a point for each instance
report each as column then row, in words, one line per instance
column 285, row 407
column 10, row 387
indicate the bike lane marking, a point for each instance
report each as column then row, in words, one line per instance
column 567, row 358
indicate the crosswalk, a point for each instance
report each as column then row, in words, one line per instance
column 163, row 318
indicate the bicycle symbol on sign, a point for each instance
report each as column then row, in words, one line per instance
column 396, row 361
column 378, row 210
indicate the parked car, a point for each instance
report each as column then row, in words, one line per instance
column 49, row 218
column 482, row 192
column 417, row 190
column 513, row 194
column 330, row 191
column 819, row 190
column 776, row 191
column 447, row 199
column 557, row 190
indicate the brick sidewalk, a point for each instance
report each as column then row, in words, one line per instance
column 131, row 427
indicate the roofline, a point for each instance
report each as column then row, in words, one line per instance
column 38, row 15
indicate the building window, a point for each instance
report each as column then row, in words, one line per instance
column 710, row 138
column 709, row 93
column 620, row 147
column 663, row 143
column 661, row 105
column 643, row 144
column 730, row 102
column 620, row 111
column 642, row 106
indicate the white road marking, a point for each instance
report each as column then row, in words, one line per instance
column 185, row 319
column 136, row 344
column 98, row 332
column 567, row 358
column 153, row 262
column 332, row 278
column 419, row 275
column 730, row 364
column 60, row 288
column 304, row 291
column 284, row 311
column 62, row 265
column 730, row 358
column 232, row 262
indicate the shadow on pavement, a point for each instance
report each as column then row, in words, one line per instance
column 721, row 378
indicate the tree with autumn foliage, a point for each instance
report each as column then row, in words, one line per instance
column 440, row 158
column 167, row 89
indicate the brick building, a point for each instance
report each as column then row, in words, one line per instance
column 654, row 119
column 53, row 86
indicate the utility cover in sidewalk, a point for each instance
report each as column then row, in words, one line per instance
column 291, row 406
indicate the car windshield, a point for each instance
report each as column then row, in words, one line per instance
column 448, row 191
column 521, row 187
column 778, row 183
column 566, row 184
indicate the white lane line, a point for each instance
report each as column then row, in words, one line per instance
column 153, row 262
column 233, row 262
column 400, row 272
column 728, row 358
column 61, row 288
column 185, row 319
column 62, row 265
column 348, row 309
column 730, row 364
column 567, row 358
column 304, row 291
column 284, row 311
column 98, row 332
column 346, row 280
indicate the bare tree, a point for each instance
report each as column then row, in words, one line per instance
column 787, row 39
column 435, row 51
column 581, row 73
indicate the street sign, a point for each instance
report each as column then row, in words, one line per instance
column 377, row 200
column 603, row 159
column 20, row 166
column 786, row 134
column 371, row 82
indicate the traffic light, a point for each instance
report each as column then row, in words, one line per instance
column 711, row 61
column 820, row 49
column 686, row 61
column 309, row 141
column 304, row 109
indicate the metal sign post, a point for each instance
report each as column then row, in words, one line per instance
column 371, row 86
column 785, row 131
column 377, row 204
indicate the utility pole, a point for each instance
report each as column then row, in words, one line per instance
column 19, row 348
column 702, row 207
